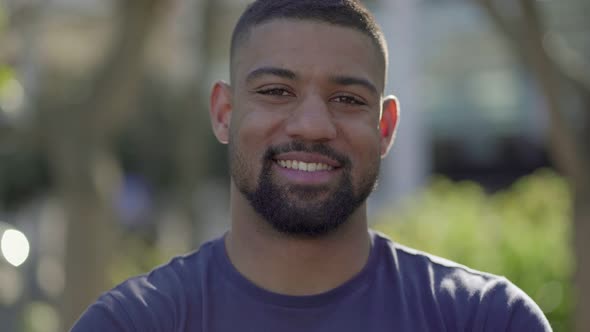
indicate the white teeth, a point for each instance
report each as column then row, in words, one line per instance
column 303, row 166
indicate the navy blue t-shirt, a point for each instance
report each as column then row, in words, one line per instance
column 399, row 289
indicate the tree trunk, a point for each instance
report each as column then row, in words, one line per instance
column 191, row 120
column 85, row 170
column 91, row 228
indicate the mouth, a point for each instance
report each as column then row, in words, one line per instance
column 306, row 161
column 304, row 166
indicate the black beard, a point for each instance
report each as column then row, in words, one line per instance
column 303, row 217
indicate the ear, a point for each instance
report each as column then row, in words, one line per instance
column 388, row 123
column 220, row 109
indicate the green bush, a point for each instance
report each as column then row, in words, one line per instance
column 522, row 233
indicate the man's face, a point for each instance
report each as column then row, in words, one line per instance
column 304, row 139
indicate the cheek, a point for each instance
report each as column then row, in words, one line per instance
column 253, row 132
column 255, row 125
column 363, row 141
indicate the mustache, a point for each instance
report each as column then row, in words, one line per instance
column 300, row 146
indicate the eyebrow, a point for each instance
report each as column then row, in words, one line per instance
column 351, row 80
column 273, row 71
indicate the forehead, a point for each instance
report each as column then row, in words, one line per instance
column 309, row 48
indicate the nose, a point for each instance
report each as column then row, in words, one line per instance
column 311, row 120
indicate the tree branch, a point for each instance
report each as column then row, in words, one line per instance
column 121, row 71
column 502, row 23
column 526, row 38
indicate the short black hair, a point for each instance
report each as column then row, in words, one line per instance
column 345, row 13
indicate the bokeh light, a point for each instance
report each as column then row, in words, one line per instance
column 51, row 276
column 12, row 93
column 11, row 285
column 41, row 317
column 14, row 246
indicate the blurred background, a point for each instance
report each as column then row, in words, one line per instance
column 108, row 166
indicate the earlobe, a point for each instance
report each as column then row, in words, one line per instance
column 220, row 109
column 388, row 123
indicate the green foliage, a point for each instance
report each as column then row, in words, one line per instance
column 522, row 233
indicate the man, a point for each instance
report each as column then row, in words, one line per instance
column 307, row 124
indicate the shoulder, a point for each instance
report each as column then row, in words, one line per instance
column 474, row 297
column 156, row 301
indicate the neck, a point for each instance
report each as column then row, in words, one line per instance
column 292, row 265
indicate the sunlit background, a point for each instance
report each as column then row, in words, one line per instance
column 108, row 167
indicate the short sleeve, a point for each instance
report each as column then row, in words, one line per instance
column 527, row 316
column 523, row 313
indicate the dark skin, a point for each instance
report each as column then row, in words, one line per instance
column 316, row 83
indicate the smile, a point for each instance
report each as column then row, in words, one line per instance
column 303, row 166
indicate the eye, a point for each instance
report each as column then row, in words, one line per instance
column 274, row 92
column 350, row 100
